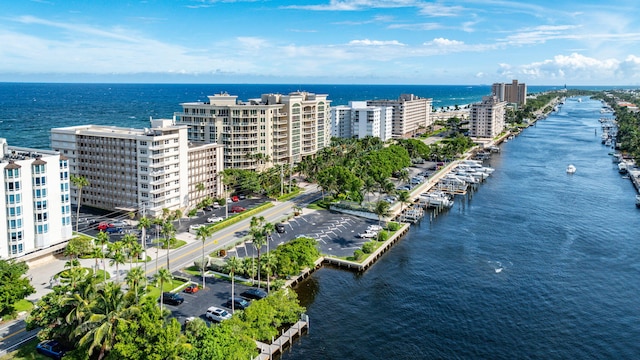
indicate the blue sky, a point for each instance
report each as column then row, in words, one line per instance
column 321, row 41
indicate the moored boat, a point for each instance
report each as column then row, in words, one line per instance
column 571, row 169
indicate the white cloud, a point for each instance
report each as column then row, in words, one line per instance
column 439, row 10
column 367, row 42
column 446, row 42
column 578, row 68
column 353, row 5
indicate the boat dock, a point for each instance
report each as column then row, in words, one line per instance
column 277, row 346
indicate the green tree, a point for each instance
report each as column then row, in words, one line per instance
column 233, row 264
column 129, row 241
column 162, row 276
column 404, row 198
column 203, row 233
column 116, row 253
column 168, row 232
column 109, row 309
column 269, row 264
column 14, row 286
column 382, row 210
column 136, row 280
column 259, row 238
column 79, row 182
column 102, row 239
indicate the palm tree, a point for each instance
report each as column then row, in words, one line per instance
column 177, row 213
column 79, row 182
column 109, row 309
column 382, row 210
column 203, row 233
column 143, row 224
column 116, row 253
column 168, row 231
column 97, row 253
column 163, row 275
column 404, row 198
column 259, row 237
column 101, row 240
column 135, row 277
column 269, row 262
column 128, row 242
column 134, row 253
column 233, row 264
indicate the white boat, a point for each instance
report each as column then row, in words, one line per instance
column 436, row 199
column 622, row 167
column 638, row 201
column 571, row 169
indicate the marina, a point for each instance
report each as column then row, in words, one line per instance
column 495, row 268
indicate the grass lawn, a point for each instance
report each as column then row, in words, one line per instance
column 24, row 305
column 155, row 291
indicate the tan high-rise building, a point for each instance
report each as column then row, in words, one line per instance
column 513, row 93
column 411, row 114
column 139, row 169
column 487, row 118
column 274, row 129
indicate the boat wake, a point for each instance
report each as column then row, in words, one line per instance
column 497, row 266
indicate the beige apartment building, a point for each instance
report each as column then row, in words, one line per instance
column 487, row 118
column 274, row 129
column 411, row 114
column 513, row 93
column 139, row 169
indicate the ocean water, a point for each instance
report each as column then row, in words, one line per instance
column 535, row 264
column 29, row 110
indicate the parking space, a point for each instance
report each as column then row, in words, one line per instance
column 337, row 233
column 216, row 293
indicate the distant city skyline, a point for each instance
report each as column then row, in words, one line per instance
column 321, row 42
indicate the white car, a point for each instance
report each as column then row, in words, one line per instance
column 215, row 219
column 374, row 228
column 216, row 314
column 368, row 234
column 216, row 205
column 195, row 227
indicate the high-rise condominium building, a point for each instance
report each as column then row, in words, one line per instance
column 273, row 129
column 360, row 120
column 411, row 114
column 513, row 93
column 487, row 117
column 140, row 169
column 35, row 204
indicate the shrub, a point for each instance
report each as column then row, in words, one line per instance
column 358, row 254
column 383, row 235
column 393, row 226
column 368, row 247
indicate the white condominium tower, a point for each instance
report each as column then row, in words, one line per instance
column 411, row 114
column 139, row 169
column 274, row 129
column 487, row 118
column 35, row 205
column 359, row 120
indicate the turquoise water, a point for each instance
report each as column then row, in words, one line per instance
column 536, row 264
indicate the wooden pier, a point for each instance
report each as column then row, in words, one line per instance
column 285, row 341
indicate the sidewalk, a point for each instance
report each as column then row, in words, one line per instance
column 41, row 275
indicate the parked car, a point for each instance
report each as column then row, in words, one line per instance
column 50, row 348
column 102, row 226
column 114, row 230
column 280, row 228
column 368, row 235
column 242, row 196
column 119, row 223
column 216, row 314
column 235, row 198
column 172, row 298
column 239, row 303
column 208, row 208
column 215, row 219
column 374, row 227
column 195, row 227
column 192, row 289
column 237, row 209
column 216, row 205
column 254, row 293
